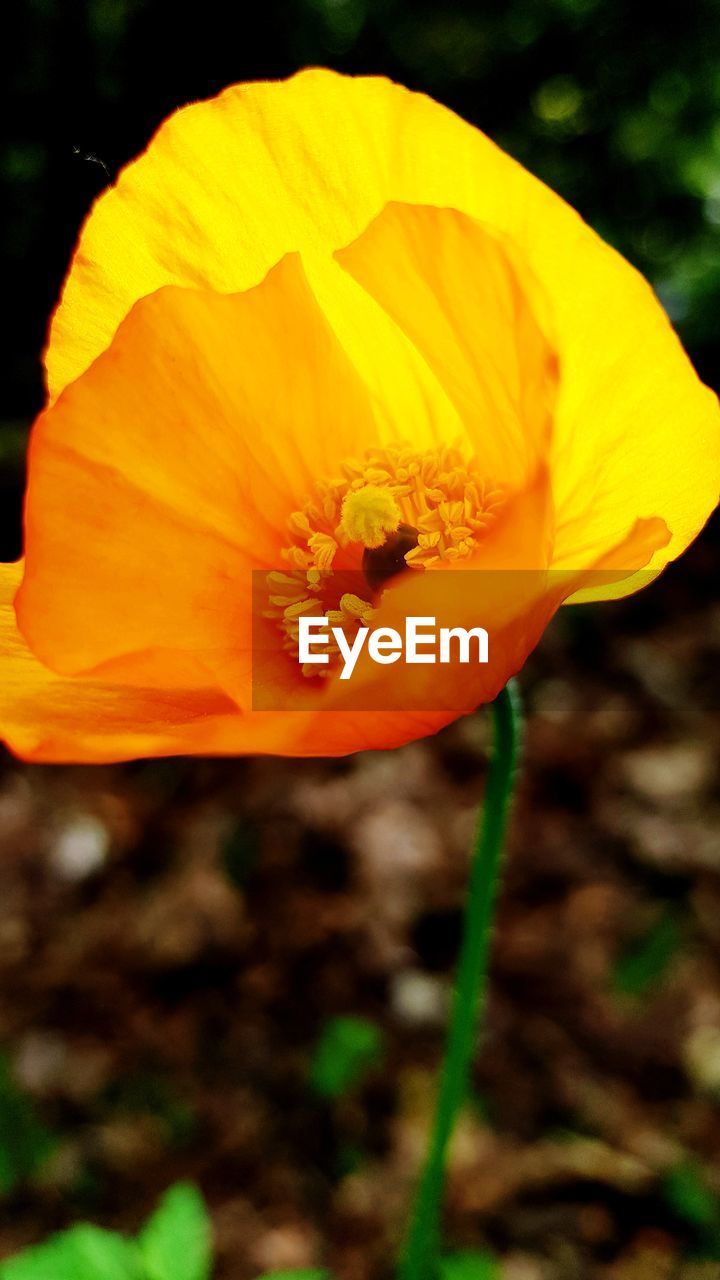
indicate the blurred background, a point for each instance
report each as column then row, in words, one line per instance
column 237, row 973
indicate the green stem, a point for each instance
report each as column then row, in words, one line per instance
column 422, row 1249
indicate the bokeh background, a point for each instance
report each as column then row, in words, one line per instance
column 238, row 972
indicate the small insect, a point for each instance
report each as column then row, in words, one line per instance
column 87, row 155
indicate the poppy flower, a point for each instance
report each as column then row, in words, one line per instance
column 325, row 349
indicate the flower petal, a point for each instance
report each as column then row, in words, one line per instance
column 455, row 290
column 168, row 471
column 457, row 293
column 228, row 186
column 87, row 720
column 46, row 717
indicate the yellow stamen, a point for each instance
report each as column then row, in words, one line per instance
column 422, row 508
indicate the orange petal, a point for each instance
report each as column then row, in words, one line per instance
column 52, row 719
column 46, row 717
column 169, row 470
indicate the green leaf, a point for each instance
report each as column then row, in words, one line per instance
column 82, row 1253
column 175, row 1241
column 470, row 1265
column 347, row 1048
column 25, row 1143
column 645, row 963
column 687, row 1193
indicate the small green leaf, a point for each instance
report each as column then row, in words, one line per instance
column 688, row 1195
column 645, row 963
column 347, row 1048
column 25, row 1143
column 82, row 1253
column 175, row 1241
column 470, row 1265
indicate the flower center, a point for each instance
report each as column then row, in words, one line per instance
column 394, row 510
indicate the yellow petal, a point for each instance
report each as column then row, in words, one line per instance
column 455, row 290
column 228, row 186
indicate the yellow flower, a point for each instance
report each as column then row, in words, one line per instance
column 325, row 335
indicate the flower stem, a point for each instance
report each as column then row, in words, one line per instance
column 421, row 1254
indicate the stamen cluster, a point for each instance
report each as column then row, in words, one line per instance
column 439, row 494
